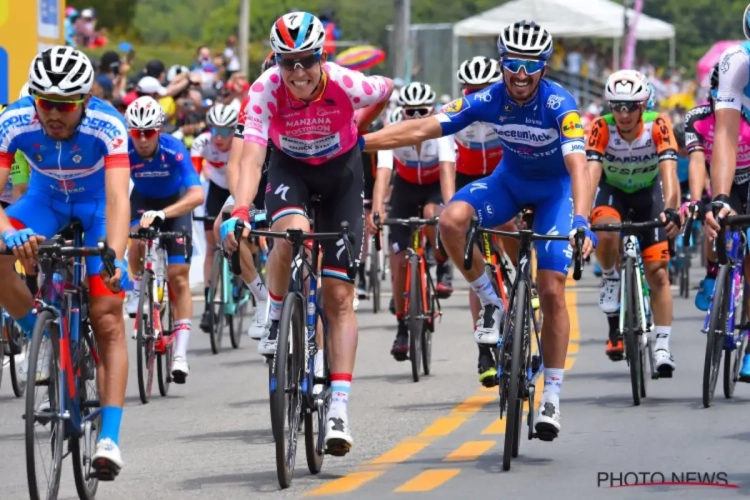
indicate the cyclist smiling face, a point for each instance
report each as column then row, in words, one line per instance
column 60, row 115
column 302, row 72
column 627, row 115
column 522, row 75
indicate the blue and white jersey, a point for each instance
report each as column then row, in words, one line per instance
column 167, row 173
column 734, row 80
column 72, row 170
column 535, row 136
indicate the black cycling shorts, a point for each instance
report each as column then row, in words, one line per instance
column 175, row 248
column 643, row 206
column 214, row 202
column 369, row 164
column 340, row 185
column 406, row 200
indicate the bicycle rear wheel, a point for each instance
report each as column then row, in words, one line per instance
column 315, row 419
column 288, row 373
column 88, row 395
column 216, row 301
column 630, row 335
column 241, row 297
column 416, row 322
column 164, row 359
column 48, row 422
column 514, row 396
column 428, row 327
column 146, row 355
column 715, row 336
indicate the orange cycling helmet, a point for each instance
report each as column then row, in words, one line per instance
column 270, row 62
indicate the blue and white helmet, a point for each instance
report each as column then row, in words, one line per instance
column 746, row 22
column 297, row 32
column 525, row 38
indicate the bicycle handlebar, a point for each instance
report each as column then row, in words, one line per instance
column 529, row 235
column 412, row 223
column 152, row 233
column 59, row 249
column 632, row 228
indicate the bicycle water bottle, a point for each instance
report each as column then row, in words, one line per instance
column 159, row 273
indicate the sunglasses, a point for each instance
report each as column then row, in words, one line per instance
column 222, row 131
column 146, row 133
column 61, row 106
column 531, row 66
column 625, row 106
column 417, row 112
column 304, row 62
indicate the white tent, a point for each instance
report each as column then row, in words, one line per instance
column 564, row 18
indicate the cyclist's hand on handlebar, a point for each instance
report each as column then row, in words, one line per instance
column 672, row 218
column 227, row 234
column 721, row 206
column 150, row 216
column 24, row 242
column 118, row 281
column 589, row 243
column 371, row 227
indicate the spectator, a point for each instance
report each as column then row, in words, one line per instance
column 205, row 69
column 230, row 56
column 110, row 82
column 327, row 17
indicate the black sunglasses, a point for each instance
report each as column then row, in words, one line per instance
column 624, row 106
column 305, row 62
column 419, row 112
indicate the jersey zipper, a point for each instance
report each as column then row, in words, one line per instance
column 58, row 145
column 484, row 150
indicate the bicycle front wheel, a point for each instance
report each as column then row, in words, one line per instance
column 717, row 326
column 45, row 426
column 288, row 373
column 164, row 359
column 515, row 396
column 88, row 399
column 146, row 355
column 416, row 322
column 630, row 335
column 216, row 302
column 374, row 278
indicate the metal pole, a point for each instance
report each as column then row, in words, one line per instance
column 400, row 37
column 243, row 32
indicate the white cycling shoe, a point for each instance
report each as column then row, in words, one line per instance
column 338, row 439
column 258, row 326
column 107, row 460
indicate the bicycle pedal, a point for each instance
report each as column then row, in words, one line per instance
column 400, row 357
column 337, row 448
column 616, row 356
column 744, row 378
column 664, row 372
column 545, row 432
column 104, row 470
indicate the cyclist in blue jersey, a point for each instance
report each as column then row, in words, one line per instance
column 166, row 189
column 543, row 165
column 76, row 144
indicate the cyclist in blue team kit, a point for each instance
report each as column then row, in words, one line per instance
column 76, row 145
column 543, row 165
column 166, row 189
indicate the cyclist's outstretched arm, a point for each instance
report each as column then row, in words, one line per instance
column 666, row 149
column 447, row 157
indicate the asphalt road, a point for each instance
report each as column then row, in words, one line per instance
column 439, row 438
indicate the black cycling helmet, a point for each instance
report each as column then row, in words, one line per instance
column 679, row 134
column 375, row 126
column 714, row 77
column 270, row 62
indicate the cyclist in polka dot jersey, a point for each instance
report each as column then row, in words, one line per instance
column 306, row 106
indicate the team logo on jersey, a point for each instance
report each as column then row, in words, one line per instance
column 77, row 159
column 455, row 106
column 571, row 126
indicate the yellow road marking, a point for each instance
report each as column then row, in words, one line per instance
column 469, row 451
column 400, row 453
column 443, row 426
column 428, row 480
column 345, row 484
column 475, row 403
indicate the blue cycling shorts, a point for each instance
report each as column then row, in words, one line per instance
column 498, row 198
column 48, row 216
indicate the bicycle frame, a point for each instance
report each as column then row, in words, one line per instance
column 490, row 258
column 631, row 250
column 417, row 248
column 735, row 254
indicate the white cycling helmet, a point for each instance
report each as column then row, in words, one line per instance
column 525, row 38
column 417, row 94
column 297, row 32
column 746, row 22
column 145, row 113
column 24, row 91
column 223, row 115
column 395, row 115
column 175, row 70
column 626, row 85
column 61, row 70
column 479, row 70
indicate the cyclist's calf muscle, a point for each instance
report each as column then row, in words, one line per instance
column 453, row 225
column 15, row 297
column 279, row 260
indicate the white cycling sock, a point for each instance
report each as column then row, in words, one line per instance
column 258, row 289
column 662, row 337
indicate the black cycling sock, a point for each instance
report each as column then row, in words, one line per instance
column 33, row 283
column 205, row 294
column 361, row 272
column 614, row 325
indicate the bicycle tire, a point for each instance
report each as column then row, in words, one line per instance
column 235, row 330
column 17, row 345
column 164, row 360
column 216, row 331
column 374, row 278
column 428, row 326
column 288, row 364
column 416, row 323
column 630, row 337
column 512, row 419
column 86, row 485
column 315, row 426
column 271, row 402
column 55, row 390
column 715, row 336
column 733, row 358
column 146, row 355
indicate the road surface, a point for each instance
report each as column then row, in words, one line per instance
column 439, row 438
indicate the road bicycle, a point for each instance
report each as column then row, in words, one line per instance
column 155, row 341
column 293, row 367
column 636, row 320
column 228, row 297
column 68, row 409
column 421, row 303
column 724, row 333
column 518, row 365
